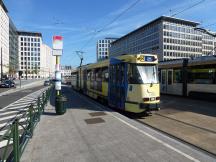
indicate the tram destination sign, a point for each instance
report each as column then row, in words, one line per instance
column 143, row 58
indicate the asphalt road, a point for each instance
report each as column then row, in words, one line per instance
column 5, row 100
column 23, row 82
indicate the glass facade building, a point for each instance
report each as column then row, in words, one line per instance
column 13, row 50
column 169, row 37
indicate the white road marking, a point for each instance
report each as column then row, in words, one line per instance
column 147, row 134
column 10, row 117
column 8, row 113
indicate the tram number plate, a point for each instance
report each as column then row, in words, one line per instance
column 152, row 98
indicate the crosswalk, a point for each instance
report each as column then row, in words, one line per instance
column 13, row 110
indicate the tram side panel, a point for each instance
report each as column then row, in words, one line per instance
column 74, row 80
column 171, row 81
column 202, row 82
column 97, row 83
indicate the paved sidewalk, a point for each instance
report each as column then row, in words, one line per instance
column 89, row 133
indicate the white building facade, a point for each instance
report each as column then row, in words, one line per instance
column 30, row 44
column 169, row 37
column 103, row 48
column 47, row 62
column 4, row 40
column 66, row 70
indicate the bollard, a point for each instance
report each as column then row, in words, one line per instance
column 16, row 150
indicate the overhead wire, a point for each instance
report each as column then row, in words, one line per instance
column 188, row 8
column 111, row 22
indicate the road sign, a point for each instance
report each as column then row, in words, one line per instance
column 58, row 85
column 57, row 43
column 58, row 75
column 57, row 52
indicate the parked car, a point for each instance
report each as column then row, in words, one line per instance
column 46, row 83
column 7, row 84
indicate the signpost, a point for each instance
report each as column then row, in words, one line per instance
column 57, row 51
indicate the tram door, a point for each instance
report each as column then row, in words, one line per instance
column 166, row 80
column 117, row 85
column 163, row 87
column 85, row 81
column 169, row 81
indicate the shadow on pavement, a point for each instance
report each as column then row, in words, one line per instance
column 74, row 101
column 174, row 104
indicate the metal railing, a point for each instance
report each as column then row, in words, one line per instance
column 18, row 131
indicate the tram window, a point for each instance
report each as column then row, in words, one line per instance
column 142, row 74
column 202, row 76
column 177, row 76
column 92, row 76
column 88, row 75
column 98, row 74
column 105, row 74
column 169, row 77
column 163, row 79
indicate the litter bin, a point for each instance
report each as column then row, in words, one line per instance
column 60, row 104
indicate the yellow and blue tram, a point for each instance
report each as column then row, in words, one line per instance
column 189, row 77
column 127, row 82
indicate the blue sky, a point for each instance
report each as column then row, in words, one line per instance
column 78, row 20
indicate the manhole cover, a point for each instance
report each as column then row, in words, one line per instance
column 97, row 113
column 94, row 121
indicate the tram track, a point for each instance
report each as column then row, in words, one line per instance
column 178, row 139
column 205, row 129
column 172, row 135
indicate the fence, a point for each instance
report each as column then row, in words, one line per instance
column 18, row 131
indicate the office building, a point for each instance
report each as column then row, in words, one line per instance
column 170, row 38
column 4, row 41
column 66, row 71
column 13, row 51
column 47, row 62
column 103, row 48
column 30, row 54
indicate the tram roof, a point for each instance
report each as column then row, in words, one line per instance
column 203, row 60
column 98, row 64
column 171, row 63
